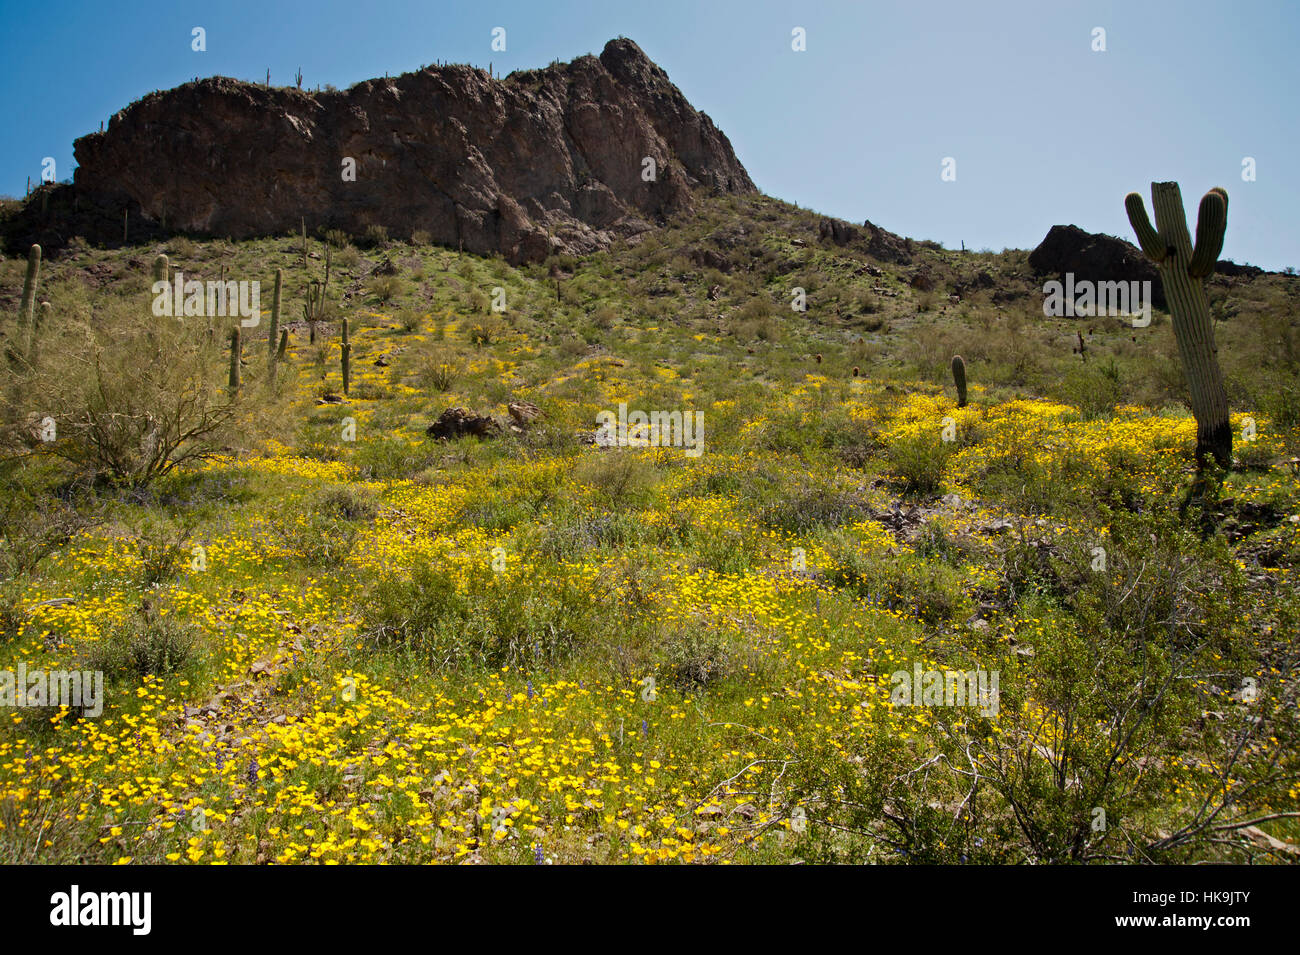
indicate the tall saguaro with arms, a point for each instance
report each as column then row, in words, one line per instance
column 1183, row 269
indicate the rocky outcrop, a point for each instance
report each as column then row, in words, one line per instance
column 923, row 279
column 461, row 422
column 1093, row 257
column 1104, row 258
column 875, row 241
column 1233, row 270
column 837, row 230
column 887, row 246
column 541, row 161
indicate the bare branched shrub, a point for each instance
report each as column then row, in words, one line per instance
column 131, row 397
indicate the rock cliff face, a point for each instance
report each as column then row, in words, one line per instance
column 543, row 160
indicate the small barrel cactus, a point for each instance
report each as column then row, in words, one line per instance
column 161, row 268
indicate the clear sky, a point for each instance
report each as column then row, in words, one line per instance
column 1043, row 129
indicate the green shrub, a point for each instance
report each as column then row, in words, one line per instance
column 480, row 621
column 621, row 478
column 155, row 646
column 346, row 502
column 696, row 659
column 604, row 317
column 928, row 590
column 385, row 288
column 440, row 376
column 919, row 461
column 571, row 539
column 935, row 543
column 318, row 539
column 394, row 458
column 1095, row 389
column 162, row 550
column 485, row 332
column 813, row 507
column 348, row 258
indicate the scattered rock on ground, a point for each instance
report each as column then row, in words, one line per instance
column 523, row 413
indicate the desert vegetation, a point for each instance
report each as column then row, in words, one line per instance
column 329, row 636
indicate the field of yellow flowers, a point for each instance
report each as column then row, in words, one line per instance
column 339, row 640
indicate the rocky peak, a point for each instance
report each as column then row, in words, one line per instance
column 540, row 161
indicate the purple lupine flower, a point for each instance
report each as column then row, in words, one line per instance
column 538, row 857
column 252, row 772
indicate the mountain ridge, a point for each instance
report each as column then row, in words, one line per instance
column 542, row 161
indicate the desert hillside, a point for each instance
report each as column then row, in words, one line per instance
column 452, row 608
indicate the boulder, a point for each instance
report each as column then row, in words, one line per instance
column 1093, row 257
column 457, row 423
column 523, row 413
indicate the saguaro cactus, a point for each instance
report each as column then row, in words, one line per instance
column 1183, row 268
column 959, row 377
column 313, row 310
column 347, row 354
column 234, row 359
column 29, row 285
column 274, row 332
column 34, row 333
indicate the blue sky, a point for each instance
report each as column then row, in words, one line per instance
column 1042, row 128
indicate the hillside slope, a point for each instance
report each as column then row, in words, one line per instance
column 336, row 638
